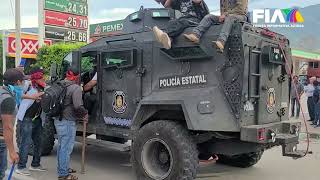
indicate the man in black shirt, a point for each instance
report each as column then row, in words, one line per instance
column 13, row 83
column 66, row 125
column 30, row 125
column 192, row 13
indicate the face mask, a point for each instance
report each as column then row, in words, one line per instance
column 18, row 91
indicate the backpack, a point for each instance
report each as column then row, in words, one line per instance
column 52, row 102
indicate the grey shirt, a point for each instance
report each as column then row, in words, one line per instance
column 299, row 89
column 7, row 106
column 73, row 101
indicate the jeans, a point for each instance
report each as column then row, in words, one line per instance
column 294, row 101
column 177, row 26
column 30, row 131
column 3, row 159
column 311, row 105
column 210, row 19
column 205, row 24
column 66, row 131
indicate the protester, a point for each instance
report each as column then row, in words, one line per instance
column 9, row 93
column 296, row 87
column 231, row 11
column 26, row 86
column 193, row 11
column 309, row 89
column 66, row 125
column 30, row 125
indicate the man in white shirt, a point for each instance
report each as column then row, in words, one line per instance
column 91, row 84
column 309, row 89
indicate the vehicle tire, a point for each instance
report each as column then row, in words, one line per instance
column 242, row 160
column 47, row 138
column 164, row 150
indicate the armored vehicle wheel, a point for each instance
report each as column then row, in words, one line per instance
column 242, row 160
column 47, row 141
column 164, row 150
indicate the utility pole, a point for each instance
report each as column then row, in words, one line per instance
column 18, row 32
column 4, row 46
column 40, row 22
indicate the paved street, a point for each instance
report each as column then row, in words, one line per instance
column 105, row 164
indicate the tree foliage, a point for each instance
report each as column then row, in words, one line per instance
column 55, row 53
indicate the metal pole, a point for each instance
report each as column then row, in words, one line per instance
column 83, row 154
column 18, row 33
column 88, row 29
column 41, row 22
column 4, row 46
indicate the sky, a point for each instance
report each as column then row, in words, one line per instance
column 108, row 10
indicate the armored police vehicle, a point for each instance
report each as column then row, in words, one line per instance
column 188, row 103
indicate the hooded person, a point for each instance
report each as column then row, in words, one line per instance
column 30, row 125
column 66, row 125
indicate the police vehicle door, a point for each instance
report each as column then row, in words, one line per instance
column 120, row 84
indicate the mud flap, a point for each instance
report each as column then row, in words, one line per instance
column 289, row 143
column 291, row 150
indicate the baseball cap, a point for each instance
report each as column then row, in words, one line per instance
column 75, row 70
column 13, row 75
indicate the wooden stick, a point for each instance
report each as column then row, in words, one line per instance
column 83, row 147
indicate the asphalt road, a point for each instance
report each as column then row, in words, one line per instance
column 103, row 164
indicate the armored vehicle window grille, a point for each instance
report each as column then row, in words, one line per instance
column 233, row 89
column 119, row 59
column 186, row 53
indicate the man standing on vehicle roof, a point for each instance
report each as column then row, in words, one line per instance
column 66, row 125
column 9, row 94
column 192, row 13
column 231, row 11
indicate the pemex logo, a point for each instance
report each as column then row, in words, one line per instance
column 293, row 15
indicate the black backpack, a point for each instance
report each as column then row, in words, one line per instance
column 52, row 102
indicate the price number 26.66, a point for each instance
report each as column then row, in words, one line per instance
column 77, row 36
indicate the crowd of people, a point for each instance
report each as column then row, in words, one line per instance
column 20, row 100
column 312, row 92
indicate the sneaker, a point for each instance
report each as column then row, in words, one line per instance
column 219, row 45
column 24, row 172
column 39, row 168
column 157, row 33
column 162, row 37
column 192, row 37
column 166, row 41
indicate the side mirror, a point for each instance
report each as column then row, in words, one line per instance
column 53, row 71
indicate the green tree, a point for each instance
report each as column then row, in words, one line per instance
column 55, row 53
